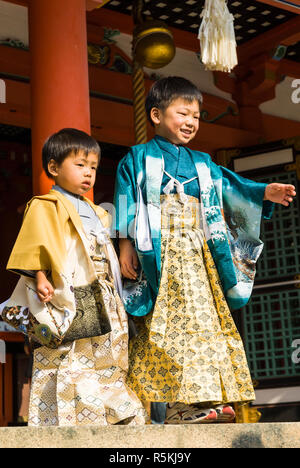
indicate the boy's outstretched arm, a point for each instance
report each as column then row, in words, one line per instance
column 280, row 193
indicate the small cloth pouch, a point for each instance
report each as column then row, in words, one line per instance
column 45, row 323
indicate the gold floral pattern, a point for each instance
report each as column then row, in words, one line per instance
column 188, row 349
column 83, row 381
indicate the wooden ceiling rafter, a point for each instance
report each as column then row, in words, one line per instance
column 286, row 33
column 258, row 49
column 293, row 5
column 269, row 40
column 90, row 4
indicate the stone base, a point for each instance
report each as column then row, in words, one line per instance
column 262, row 435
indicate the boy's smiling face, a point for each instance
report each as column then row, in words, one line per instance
column 179, row 122
column 77, row 172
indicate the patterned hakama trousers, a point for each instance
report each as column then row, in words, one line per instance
column 188, row 349
column 83, row 381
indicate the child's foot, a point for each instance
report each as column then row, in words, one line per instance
column 180, row 413
column 225, row 413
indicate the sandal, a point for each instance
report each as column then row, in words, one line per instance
column 225, row 413
column 180, row 413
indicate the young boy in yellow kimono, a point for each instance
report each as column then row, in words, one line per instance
column 67, row 298
column 195, row 233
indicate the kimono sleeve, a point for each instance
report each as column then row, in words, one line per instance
column 243, row 206
column 252, row 192
column 125, row 198
column 40, row 243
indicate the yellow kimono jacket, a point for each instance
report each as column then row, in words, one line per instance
column 52, row 239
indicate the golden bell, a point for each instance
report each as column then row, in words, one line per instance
column 153, row 45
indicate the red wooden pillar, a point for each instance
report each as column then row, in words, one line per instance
column 6, row 391
column 59, row 75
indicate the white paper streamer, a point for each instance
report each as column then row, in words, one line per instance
column 217, row 37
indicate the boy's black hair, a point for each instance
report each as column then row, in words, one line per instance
column 61, row 144
column 164, row 91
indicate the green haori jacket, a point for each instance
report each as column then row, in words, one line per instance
column 232, row 209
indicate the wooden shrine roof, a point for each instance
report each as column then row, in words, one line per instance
column 253, row 18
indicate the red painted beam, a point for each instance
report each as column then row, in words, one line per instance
column 124, row 23
column 290, row 68
column 12, row 337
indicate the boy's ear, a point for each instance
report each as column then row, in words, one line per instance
column 52, row 167
column 155, row 115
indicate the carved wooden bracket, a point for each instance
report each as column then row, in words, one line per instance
column 229, row 110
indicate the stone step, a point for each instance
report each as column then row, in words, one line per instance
column 261, row 435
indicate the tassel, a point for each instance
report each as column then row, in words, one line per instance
column 217, row 37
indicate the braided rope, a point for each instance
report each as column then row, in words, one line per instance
column 137, row 11
column 140, row 117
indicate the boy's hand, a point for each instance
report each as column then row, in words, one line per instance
column 128, row 259
column 280, row 193
column 44, row 288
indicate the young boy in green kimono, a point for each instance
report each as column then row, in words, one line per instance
column 193, row 229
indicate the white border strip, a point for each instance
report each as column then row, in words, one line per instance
column 273, row 158
column 273, row 396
